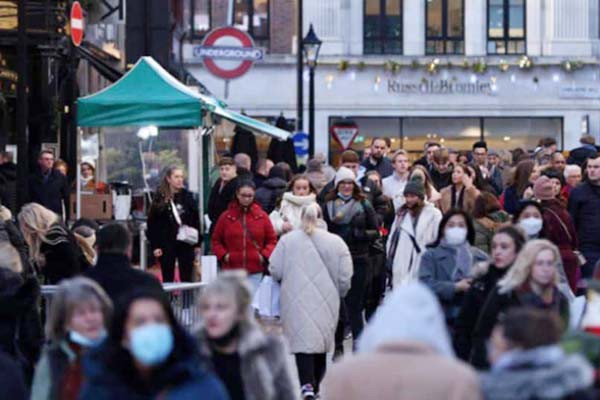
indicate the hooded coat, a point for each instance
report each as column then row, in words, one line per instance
column 290, row 211
column 486, row 227
column 272, row 190
column 21, row 335
column 407, row 258
column 264, row 364
column 315, row 272
column 544, row 372
column 398, row 337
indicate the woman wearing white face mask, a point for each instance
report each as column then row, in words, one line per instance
column 147, row 355
column 447, row 263
column 77, row 322
column 529, row 218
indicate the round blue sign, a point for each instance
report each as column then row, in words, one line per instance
column 301, row 143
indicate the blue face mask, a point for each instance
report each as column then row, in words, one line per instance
column 151, row 344
column 344, row 197
column 83, row 341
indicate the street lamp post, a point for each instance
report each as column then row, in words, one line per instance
column 311, row 45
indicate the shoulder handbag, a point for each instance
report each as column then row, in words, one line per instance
column 580, row 257
column 185, row 233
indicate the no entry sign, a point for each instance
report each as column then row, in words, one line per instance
column 228, row 53
column 76, row 23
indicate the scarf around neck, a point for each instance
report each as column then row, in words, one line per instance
column 341, row 212
column 463, row 259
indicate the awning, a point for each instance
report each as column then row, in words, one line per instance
column 149, row 95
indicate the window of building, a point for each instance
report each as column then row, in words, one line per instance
column 383, row 27
column 445, row 26
column 252, row 16
column 200, row 17
column 506, row 27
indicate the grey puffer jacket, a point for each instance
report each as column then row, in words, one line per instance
column 540, row 373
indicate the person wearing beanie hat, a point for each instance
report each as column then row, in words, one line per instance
column 348, row 159
column 416, row 225
column 351, row 216
column 88, row 179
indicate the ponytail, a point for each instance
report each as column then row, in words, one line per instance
column 310, row 217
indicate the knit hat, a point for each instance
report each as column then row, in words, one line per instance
column 343, row 174
column 415, row 186
column 543, row 188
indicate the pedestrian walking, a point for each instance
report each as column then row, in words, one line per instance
column 244, row 237
column 416, row 225
column 300, row 193
column 528, row 362
column 461, row 193
column 251, row 364
column 147, row 355
column 584, row 207
column 393, row 185
column 507, row 242
column 113, row 271
column 223, row 191
column 21, row 335
column 349, row 215
column 80, row 313
column 172, row 213
column 315, row 269
column 531, row 281
column 559, row 229
column 377, row 161
column 491, row 173
column 580, row 155
column 271, row 191
column 488, row 218
column 447, row 264
column 515, row 192
column 572, row 174
column 431, row 194
column 407, row 330
column 52, row 246
column 315, row 174
column 442, row 171
column 49, row 187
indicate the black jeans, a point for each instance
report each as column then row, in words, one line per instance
column 311, row 368
column 375, row 286
column 354, row 303
column 184, row 254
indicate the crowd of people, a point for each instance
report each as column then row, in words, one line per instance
column 459, row 275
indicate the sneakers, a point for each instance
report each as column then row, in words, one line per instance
column 308, row 393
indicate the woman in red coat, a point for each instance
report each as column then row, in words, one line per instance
column 244, row 237
column 558, row 227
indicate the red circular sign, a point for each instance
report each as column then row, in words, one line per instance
column 241, row 39
column 76, row 23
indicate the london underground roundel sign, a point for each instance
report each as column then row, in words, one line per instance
column 76, row 23
column 228, row 53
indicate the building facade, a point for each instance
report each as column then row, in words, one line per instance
column 455, row 71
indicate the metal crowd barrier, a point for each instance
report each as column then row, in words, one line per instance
column 183, row 298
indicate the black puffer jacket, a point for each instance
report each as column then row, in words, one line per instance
column 269, row 194
column 19, row 313
column 162, row 226
column 584, row 207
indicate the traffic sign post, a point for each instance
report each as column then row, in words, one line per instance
column 76, row 23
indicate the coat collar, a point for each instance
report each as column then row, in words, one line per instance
column 234, row 211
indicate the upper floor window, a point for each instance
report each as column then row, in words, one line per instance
column 200, row 17
column 445, row 23
column 506, row 27
column 252, row 16
column 383, row 27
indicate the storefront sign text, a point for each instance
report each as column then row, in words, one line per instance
column 579, row 92
column 440, row 86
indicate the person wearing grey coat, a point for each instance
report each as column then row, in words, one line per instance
column 447, row 263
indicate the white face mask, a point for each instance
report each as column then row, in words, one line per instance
column 532, row 226
column 455, row 236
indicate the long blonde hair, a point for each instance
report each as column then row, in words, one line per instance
column 521, row 268
column 310, row 216
column 35, row 222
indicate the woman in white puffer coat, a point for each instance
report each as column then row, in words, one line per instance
column 300, row 193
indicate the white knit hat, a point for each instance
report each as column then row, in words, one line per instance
column 343, row 174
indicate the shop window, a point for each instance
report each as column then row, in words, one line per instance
column 252, row 16
column 510, row 133
column 383, row 27
column 445, row 26
column 506, row 27
column 200, row 14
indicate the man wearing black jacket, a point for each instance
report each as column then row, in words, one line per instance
column 223, row 191
column 113, row 270
column 49, row 187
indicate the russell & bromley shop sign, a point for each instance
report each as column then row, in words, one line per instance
column 440, row 86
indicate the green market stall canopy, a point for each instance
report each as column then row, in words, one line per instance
column 149, row 95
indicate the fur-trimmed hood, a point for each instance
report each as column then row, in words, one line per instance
column 540, row 373
column 265, row 369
